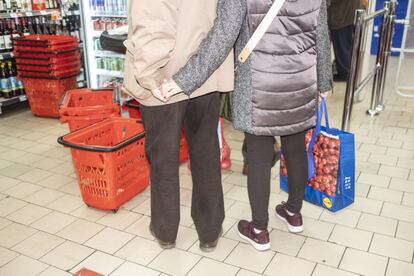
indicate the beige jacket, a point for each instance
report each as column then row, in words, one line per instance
column 163, row 35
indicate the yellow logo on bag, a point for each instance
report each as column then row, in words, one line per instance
column 327, row 202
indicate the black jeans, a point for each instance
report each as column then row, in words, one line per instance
column 342, row 44
column 199, row 117
column 260, row 154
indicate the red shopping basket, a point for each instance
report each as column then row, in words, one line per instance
column 45, row 43
column 110, row 163
column 49, row 67
column 53, row 60
column 47, row 56
column 44, row 94
column 133, row 109
column 80, row 102
column 50, row 73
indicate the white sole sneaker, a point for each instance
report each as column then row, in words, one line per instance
column 292, row 229
column 257, row 246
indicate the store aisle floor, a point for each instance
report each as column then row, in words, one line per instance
column 45, row 229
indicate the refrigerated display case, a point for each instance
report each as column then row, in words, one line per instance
column 105, row 68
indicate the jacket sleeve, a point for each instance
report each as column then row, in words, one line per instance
column 214, row 49
column 153, row 38
column 323, row 51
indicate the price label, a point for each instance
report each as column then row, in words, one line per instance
column 29, row 14
column 43, row 12
column 22, row 98
column 13, row 15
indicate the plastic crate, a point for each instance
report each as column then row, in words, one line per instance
column 109, row 160
column 133, row 109
column 44, row 94
column 47, row 55
column 49, row 60
column 50, row 74
column 49, row 68
column 45, row 43
column 81, row 102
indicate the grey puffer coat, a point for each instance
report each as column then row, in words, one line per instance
column 276, row 91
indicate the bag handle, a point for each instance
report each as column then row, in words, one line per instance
column 261, row 30
column 322, row 111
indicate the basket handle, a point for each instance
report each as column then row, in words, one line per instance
column 61, row 140
column 93, row 90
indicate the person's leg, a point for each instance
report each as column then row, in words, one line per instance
column 162, row 143
column 244, row 153
column 207, row 207
column 260, row 154
column 294, row 150
column 342, row 44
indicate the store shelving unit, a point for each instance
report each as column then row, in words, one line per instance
column 97, row 77
column 9, row 55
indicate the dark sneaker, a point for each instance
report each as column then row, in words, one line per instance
column 245, row 170
column 260, row 241
column 163, row 244
column 294, row 223
column 210, row 246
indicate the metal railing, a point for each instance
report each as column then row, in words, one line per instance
column 378, row 74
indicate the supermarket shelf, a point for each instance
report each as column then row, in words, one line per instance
column 108, row 15
column 109, row 73
column 108, row 54
column 6, row 55
column 6, row 102
column 28, row 13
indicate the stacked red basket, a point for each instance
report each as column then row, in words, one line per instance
column 48, row 66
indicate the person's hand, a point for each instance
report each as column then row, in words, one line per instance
column 364, row 4
column 323, row 95
column 157, row 93
column 170, row 88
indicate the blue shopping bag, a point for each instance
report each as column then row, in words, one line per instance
column 331, row 165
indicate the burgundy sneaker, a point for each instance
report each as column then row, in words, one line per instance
column 294, row 223
column 260, row 241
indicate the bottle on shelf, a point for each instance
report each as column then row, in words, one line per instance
column 5, row 82
column 8, row 35
column 2, row 6
column 25, row 29
column 2, row 41
column 14, row 88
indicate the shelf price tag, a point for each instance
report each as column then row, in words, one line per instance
column 22, row 98
column 29, row 14
column 43, row 12
column 13, row 15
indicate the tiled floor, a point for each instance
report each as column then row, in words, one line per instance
column 45, row 229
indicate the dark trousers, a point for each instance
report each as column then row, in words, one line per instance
column 342, row 44
column 199, row 117
column 260, row 157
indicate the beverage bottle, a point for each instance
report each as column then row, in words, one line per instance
column 18, row 4
column 43, row 25
column 21, row 88
column 12, row 80
column 30, row 25
column 8, row 36
column 2, row 6
column 2, row 42
column 65, row 30
column 8, row 5
column 17, row 28
column 58, row 27
column 29, row 5
column 26, row 30
column 5, row 82
column 37, row 27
